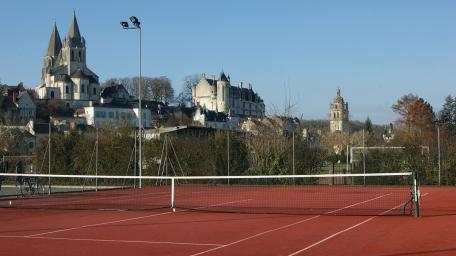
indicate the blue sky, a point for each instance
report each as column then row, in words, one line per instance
column 375, row 51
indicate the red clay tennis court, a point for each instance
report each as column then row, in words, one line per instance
column 354, row 220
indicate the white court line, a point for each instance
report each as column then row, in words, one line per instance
column 283, row 227
column 98, row 224
column 340, row 209
column 124, row 220
column 111, row 240
column 259, row 234
column 345, row 230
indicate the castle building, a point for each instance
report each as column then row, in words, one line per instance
column 65, row 75
column 220, row 96
column 338, row 115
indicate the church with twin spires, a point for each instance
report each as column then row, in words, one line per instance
column 65, row 75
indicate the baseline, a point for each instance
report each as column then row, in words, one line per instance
column 112, row 240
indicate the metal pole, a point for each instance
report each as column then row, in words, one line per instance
column 140, row 113
column 347, row 159
column 49, row 160
column 438, row 149
column 416, row 195
column 134, row 163
column 96, row 163
column 228, row 153
column 293, row 153
column 172, row 193
column 364, row 160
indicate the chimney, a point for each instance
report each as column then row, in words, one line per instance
column 14, row 97
column 213, row 77
column 250, row 86
column 203, row 75
column 240, row 84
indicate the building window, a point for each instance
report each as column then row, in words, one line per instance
column 67, row 90
column 94, row 91
column 100, row 114
column 82, row 88
column 52, row 95
column 72, row 55
column 80, row 56
column 111, row 114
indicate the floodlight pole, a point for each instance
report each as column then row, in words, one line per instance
column 137, row 25
column 140, row 111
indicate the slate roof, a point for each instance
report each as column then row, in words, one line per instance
column 79, row 74
column 212, row 82
column 55, row 44
column 63, row 78
column 73, row 32
column 223, row 77
column 213, row 116
column 111, row 91
column 41, row 128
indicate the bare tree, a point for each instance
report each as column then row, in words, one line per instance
column 185, row 96
column 162, row 90
column 152, row 88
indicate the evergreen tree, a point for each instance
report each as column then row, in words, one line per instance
column 368, row 126
column 448, row 113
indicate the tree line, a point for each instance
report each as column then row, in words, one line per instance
column 269, row 154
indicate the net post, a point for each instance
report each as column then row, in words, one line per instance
column 416, row 195
column 172, row 193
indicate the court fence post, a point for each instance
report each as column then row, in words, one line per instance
column 416, row 195
column 172, row 193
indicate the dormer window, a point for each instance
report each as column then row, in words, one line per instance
column 72, row 55
column 80, row 56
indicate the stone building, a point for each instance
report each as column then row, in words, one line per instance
column 16, row 105
column 220, row 96
column 65, row 75
column 338, row 115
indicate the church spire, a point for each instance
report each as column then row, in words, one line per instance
column 54, row 43
column 73, row 32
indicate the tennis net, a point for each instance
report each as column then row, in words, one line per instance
column 326, row 194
